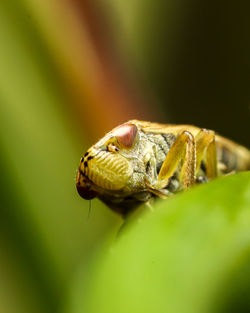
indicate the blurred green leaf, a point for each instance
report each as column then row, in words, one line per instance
column 44, row 230
column 192, row 254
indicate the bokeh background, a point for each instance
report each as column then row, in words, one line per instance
column 70, row 70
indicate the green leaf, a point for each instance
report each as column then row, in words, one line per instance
column 191, row 254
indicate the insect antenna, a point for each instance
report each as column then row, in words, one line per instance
column 89, row 208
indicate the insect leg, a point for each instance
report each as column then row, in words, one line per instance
column 182, row 149
column 205, row 142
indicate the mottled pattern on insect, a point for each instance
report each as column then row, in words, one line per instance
column 139, row 160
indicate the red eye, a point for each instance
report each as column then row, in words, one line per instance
column 126, row 135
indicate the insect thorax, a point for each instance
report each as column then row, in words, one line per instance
column 146, row 158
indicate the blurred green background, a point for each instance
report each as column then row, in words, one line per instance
column 71, row 70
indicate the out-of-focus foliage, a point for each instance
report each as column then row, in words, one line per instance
column 191, row 254
column 45, row 231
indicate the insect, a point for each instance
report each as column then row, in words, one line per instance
column 139, row 160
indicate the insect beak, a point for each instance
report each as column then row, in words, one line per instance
column 86, row 192
column 84, row 188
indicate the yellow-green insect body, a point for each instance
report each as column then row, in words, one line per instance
column 101, row 169
column 140, row 160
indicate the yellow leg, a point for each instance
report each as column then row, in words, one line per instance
column 192, row 152
column 205, row 143
column 182, row 149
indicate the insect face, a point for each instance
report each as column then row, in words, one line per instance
column 104, row 167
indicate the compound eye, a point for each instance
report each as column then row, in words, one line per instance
column 126, row 135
